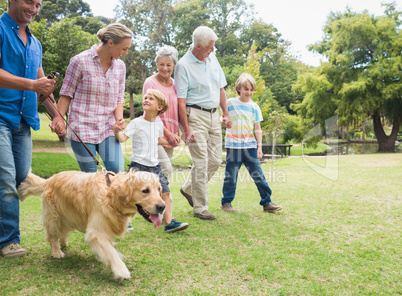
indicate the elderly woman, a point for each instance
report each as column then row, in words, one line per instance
column 166, row 59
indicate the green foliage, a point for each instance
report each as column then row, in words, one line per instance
column 232, row 74
column 89, row 24
column 294, row 130
column 280, row 81
column 227, row 19
column 274, row 124
column 3, row 6
column 187, row 16
column 150, row 19
column 252, row 67
column 55, row 10
column 136, row 105
column 363, row 75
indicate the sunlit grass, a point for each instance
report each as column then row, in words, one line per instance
column 333, row 237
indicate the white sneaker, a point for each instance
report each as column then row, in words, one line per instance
column 13, row 250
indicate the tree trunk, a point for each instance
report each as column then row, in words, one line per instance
column 132, row 113
column 385, row 143
column 347, row 133
column 364, row 129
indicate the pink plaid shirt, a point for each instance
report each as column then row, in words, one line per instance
column 94, row 94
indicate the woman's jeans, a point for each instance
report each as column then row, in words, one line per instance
column 15, row 162
column 234, row 159
column 109, row 150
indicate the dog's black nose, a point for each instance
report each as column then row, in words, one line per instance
column 160, row 207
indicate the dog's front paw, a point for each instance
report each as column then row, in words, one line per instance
column 123, row 273
column 58, row 254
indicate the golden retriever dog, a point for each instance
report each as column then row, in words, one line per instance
column 87, row 202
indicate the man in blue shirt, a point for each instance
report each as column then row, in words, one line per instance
column 21, row 78
column 200, row 82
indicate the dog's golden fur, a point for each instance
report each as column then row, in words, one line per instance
column 83, row 201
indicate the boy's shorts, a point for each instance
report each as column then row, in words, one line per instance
column 156, row 170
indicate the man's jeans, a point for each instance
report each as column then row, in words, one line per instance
column 109, row 150
column 15, row 162
column 234, row 159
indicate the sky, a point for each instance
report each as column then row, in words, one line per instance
column 299, row 21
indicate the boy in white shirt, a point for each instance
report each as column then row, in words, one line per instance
column 146, row 132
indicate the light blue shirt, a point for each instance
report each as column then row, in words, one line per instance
column 23, row 61
column 199, row 83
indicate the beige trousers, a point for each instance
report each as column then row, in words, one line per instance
column 165, row 158
column 206, row 153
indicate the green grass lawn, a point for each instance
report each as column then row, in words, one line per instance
column 332, row 238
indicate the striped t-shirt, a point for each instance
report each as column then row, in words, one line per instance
column 244, row 116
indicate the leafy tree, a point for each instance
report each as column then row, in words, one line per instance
column 363, row 75
column 187, row 16
column 148, row 19
column 151, row 23
column 55, row 10
column 252, row 67
column 274, row 126
column 227, row 19
column 89, row 24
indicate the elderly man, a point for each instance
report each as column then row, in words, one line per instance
column 21, row 77
column 199, row 83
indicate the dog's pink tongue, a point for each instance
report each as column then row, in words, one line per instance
column 156, row 219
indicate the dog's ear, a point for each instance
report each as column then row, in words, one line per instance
column 120, row 186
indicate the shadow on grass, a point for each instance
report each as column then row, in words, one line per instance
column 79, row 265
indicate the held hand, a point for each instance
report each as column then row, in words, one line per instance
column 43, row 85
column 116, row 128
column 226, row 121
column 188, row 137
column 173, row 139
column 58, row 126
column 120, row 125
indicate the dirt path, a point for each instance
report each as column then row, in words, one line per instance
column 53, row 150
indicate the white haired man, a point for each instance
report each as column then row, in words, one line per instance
column 199, row 81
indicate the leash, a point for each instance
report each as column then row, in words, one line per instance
column 52, row 102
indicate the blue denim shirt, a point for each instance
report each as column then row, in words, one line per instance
column 22, row 61
column 199, row 83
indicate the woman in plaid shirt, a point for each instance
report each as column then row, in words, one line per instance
column 93, row 90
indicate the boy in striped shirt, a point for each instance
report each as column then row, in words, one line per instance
column 242, row 147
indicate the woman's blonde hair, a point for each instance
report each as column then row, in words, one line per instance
column 243, row 80
column 160, row 97
column 116, row 32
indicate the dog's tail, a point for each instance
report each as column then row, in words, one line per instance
column 32, row 185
